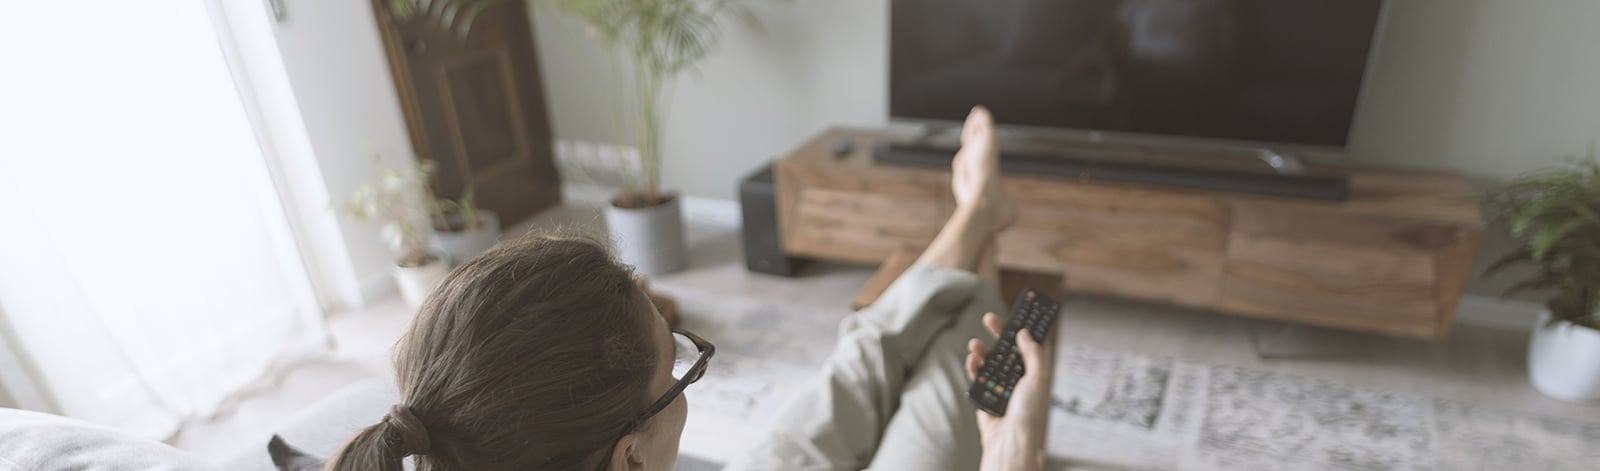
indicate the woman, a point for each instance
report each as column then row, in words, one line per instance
column 544, row 354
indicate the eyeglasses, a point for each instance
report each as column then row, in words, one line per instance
column 691, row 355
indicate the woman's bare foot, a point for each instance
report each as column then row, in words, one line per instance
column 975, row 178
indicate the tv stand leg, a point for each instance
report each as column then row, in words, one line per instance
column 1265, row 348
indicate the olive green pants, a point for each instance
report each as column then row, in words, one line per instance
column 892, row 396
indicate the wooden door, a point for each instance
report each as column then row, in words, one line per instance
column 475, row 104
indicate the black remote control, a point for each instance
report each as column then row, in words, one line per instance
column 991, row 390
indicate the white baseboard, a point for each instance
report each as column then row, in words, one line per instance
column 1497, row 312
column 712, row 211
column 586, row 193
column 696, row 209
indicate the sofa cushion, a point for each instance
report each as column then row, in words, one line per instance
column 34, row 441
column 318, row 431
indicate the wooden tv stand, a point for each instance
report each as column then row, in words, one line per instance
column 1393, row 258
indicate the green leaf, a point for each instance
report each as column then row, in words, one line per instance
column 1540, row 283
column 1555, row 214
column 402, row 9
column 1547, row 238
column 1585, row 211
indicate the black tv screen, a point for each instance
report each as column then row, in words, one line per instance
column 1272, row 71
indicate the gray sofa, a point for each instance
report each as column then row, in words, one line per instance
column 32, row 441
column 322, row 428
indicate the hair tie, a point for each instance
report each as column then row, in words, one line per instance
column 413, row 437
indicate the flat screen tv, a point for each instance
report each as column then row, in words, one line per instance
column 1254, row 72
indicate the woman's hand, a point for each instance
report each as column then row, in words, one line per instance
column 1016, row 442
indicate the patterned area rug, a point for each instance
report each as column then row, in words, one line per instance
column 1133, row 411
column 1127, row 411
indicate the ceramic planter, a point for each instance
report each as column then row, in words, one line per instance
column 416, row 282
column 460, row 246
column 650, row 238
column 1564, row 360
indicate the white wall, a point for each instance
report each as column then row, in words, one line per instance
column 339, row 74
column 811, row 64
column 1487, row 88
column 1483, row 87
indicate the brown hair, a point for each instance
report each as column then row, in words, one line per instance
column 533, row 355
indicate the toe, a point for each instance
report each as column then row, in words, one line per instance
column 978, row 123
column 979, row 113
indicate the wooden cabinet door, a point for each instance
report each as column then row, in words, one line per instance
column 475, row 105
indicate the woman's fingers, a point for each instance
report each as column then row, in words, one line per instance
column 1049, row 341
column 992, row 322
column 976, row 352
column 1032, row 352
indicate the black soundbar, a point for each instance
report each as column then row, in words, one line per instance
column 1331, row 188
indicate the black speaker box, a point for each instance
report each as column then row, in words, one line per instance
column 758, row 198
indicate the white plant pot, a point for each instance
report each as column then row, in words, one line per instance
column 416, row 282
column 1564, row 360
column 461, row 246
column 650, row 239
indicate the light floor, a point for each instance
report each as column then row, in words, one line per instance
column 1477, row 365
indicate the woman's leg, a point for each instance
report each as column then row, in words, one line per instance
column 989, row 265
column 935, row 427
column 838, row 420
column 966, row 241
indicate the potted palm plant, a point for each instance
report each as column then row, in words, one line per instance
column 462, row 229
column 396, row 201
column 657, row 40
column 1555, row 216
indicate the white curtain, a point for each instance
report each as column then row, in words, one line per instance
column 147, row 272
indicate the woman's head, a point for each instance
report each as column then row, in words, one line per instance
column 542, row 353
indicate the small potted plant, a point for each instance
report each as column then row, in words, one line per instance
column 1555, row 216
column 396, row 200
column 462, row 229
